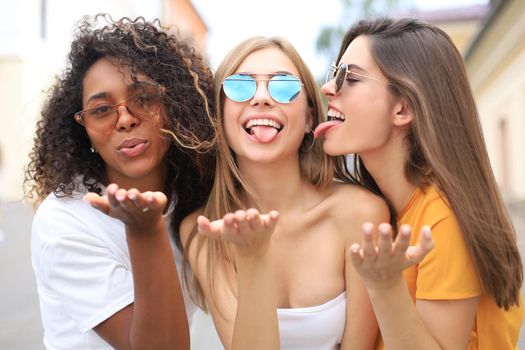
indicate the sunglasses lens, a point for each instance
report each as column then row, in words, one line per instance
column 330, row 74
column 340, row 76
column 239, row 87
column 284, row 88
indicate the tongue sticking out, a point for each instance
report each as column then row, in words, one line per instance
column 264, row 134
column 324, row 127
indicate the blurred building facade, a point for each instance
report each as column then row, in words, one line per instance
column 35, row 36
column 495, row 61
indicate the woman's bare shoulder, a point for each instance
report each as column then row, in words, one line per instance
column 354, row 202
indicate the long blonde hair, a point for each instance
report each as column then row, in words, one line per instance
column 316, row 167
column 446, row 143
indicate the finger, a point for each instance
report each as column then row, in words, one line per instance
column 385, row 240
column 158, row 200
column 426, row 241
column 229, row 228
column 355, row 255
column 271, row 220
column 205, row 228
column 97, row 202
column 111, row 190
column 242, row 223
column 124, row 202
column 415, row 254
column 254, row 219
column 138, row 200
column 368, row 248
column 402, row 240
column 151, row 201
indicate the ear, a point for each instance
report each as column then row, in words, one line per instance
column 403, row 113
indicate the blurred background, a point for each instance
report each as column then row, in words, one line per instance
column 35, row 36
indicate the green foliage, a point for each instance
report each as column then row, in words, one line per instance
column 330, row 37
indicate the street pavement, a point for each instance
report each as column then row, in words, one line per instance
column 20, row 326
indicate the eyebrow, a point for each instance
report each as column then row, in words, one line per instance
column 137, row 85
column 98, row 96
column 355, row 67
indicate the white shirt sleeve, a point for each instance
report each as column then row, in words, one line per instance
column 89, row 278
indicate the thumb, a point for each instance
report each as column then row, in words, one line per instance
column 97, row 202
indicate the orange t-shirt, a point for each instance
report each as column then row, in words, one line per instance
column 448, row 272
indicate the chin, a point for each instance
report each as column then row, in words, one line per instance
column 333, row 150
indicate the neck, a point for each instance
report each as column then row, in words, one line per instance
column 387, row 167
column 275, row 186
column 153, row 181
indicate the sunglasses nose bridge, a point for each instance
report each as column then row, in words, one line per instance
column 262, row 94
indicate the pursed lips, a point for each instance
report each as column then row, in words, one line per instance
column 130, row 143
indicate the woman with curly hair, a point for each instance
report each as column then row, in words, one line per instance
column 129, row 112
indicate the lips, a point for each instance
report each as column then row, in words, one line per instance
column 335, row 117
column 262, row 128
column 133, row 147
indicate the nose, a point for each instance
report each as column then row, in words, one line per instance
column 262, row 95
column 328, row 89
column 126, row 121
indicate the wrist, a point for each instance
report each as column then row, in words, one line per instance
column 385, row 284
column 153, row 227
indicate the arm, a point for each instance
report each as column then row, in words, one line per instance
column 426, row 325
column 256, row 325
column 157, row 318
column 361, row 329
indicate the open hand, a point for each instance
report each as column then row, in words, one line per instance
column 132, row 207
column 248, row 230
column 379, row 260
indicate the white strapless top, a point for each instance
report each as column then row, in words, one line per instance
column 313, row 328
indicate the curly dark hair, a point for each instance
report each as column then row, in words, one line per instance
column 61, row 161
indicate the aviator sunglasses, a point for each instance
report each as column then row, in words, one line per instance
column 343, row 72
column 283, row 88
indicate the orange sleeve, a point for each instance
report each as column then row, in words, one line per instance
column 447, row 272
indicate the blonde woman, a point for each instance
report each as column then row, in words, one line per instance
column 278, row 279
column 400, row 100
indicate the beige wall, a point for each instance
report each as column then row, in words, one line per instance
column 20, row 100
column 182, row 14
column 496, row 68
column 461, row 32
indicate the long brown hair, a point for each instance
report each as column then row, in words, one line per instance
column 446, row 145
column 316, row 167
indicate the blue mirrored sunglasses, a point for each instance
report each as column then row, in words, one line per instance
column 283, row 88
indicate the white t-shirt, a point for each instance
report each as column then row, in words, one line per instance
column 83, row 271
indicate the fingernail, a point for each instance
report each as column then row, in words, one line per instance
column 383, row 228
column 354, row 248
column 367, row 228
column 405, row 230
column 132, row 196
column 427, row 232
